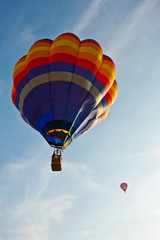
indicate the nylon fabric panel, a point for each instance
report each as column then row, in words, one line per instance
column 85, row 67
column 100, row 112
column 63, row 55
column 40, row 74
column 20, row 80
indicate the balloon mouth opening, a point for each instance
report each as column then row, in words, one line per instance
column 55, row 141
column 57, row 137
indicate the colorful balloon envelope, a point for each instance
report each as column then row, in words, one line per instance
column 63, row 88
column 124, row 186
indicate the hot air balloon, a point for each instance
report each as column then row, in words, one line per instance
column 63, row 88
column 124, row 186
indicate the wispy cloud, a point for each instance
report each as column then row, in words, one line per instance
column 153, row 154
column 27, row 34
column 30, row 200
column 132, row 26
column 34, row 207
column 88, row 15
column 32, row 219
column 85, row 233
column 87, row 176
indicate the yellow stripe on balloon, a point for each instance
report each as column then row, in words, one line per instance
column 36, row 55
column 69, row 37
column 93, row 44
column 41, row 44
column 92, row 51
column 114, row 89
column 13, row 90
column 20, row 64
column 91, row 58
column 65, row 43
column 37, row 49
column 64, row 49
column 109, row 69
column 58, row 130
column 104, row 115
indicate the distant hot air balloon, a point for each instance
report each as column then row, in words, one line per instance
column 124, row 186
column 63, row 88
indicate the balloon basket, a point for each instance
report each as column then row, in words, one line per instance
column 56, row 164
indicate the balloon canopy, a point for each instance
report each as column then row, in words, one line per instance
column 124, row 186
column 63, row 88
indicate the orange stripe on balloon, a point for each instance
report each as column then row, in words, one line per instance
column 64, row 49
column 90, row 57
column 41, row 43
column 106, row 75
column 68, row 36
column 109, row 99
column 108, row 61
column 88, row 65
column 62, row 58
column 91, row 43
column 103, row 79
column 19, row 66
column 18, row 71
column 111, row 94
column 104, row 115
column 13, row 94
column 19, row 77
column 37, row 54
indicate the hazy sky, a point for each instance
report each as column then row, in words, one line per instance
column 84, row 201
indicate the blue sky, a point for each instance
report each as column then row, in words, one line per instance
column 84, row 201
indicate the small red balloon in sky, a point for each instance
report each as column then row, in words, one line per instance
column 124, row 186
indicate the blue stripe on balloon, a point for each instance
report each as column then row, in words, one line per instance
column 21, row 85
column 61, row 66
column 37, row 71
column 32, row 74
column 100, row 86
column 84, row 73
column 105, row 104
column 17, row 101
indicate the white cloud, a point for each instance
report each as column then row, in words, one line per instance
column 153, row 154
column 32, row 218
column 28, row 207
column 86, row 233
column 132, row 26
column 21, row 32
column 87, row 176
column 88, row 15
column 35, row 179
column 30, row 200
column 27, row 34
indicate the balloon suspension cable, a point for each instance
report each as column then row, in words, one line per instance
column 56, row 164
